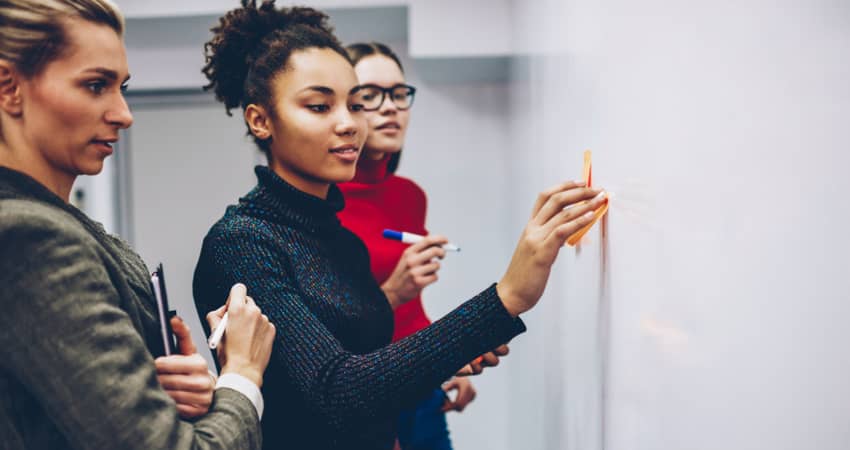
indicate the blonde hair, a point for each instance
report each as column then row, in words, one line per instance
column 32, row 31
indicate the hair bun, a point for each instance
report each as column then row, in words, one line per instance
column 243, row 35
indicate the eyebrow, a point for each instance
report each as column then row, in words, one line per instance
column 328, row 91
column 111, row 74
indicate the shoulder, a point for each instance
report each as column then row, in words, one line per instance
column 244, row 240
column 30, row 222
column 236, row 227
column 406, row 187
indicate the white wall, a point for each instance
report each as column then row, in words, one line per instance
column 717, row 318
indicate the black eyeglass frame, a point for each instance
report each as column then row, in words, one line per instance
column 385, row 91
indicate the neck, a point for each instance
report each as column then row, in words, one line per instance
column 374, row 154
column 301, row 182
column 30, row 163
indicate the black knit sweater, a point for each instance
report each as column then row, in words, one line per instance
column 334, row 381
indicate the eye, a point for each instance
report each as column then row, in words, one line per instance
column 356, row 107
column 319, row 108
column 96, row 86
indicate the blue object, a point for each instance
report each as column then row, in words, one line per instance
column 392, row 234
column 424, row 426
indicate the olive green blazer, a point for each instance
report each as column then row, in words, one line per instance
column 78, row 334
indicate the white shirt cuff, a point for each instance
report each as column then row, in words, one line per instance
column 245, row 387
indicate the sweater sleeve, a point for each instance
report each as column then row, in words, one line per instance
column 69, row 343
column 345, row 388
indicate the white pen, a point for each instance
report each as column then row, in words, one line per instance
column 410, row 238
column 218, row 333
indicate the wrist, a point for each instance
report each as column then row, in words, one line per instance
column 255, row 376
column 392, row 296
column 509, row 301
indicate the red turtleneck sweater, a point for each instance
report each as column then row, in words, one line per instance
column 374, row 201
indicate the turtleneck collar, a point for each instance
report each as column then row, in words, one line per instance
column 372, row 171
column 278, row 200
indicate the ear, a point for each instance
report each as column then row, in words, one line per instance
column 259, row 121
column 10, row 89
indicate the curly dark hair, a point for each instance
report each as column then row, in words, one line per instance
column 252, row 44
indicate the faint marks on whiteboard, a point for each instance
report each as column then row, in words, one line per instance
column 667, row 337
column 634, row 202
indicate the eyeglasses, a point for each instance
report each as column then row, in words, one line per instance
column 371, row 96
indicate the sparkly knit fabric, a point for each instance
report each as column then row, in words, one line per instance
column 335, row 381
column 376, row 200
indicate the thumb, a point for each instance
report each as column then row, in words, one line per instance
column 184, row 338
column 237, row 298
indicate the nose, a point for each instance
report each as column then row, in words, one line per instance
column 119, row 115
column 347, row 125
column 388, row 105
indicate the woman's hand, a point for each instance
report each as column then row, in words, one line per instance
column 247, row 343
column 465, row 394
column 416, row 269
column 558, row 213
column 185, row 377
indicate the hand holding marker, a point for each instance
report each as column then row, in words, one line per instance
column 410, row 238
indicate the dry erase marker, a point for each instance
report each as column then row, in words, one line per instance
column 410, row 238
column 218, row 333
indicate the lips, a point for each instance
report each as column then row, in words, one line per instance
column 344, row 149
column 106, row 141
column 389, row 126
column 347, row 153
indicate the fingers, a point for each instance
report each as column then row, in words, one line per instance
column 569, row 222
column 447, row 406
column 489, row 360
column 235, row 301
column 190, row 398
column 465, row 394
column 465, row 371
column 181, row 364
column 185, row 345
column 545, row 195
column 237, row 298
column 414, row 259
column 563, row 200
column 430, row 241
column 214, row 317
column 191, row 411
column 186, row 382
column 501, row 350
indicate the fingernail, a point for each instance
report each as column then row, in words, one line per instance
column 588, row 215
column 600, row 195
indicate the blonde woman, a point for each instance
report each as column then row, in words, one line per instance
column 77, row 367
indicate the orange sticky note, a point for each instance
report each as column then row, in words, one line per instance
column 587, row 173
column 576, row 237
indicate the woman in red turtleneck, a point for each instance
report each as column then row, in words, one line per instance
column 377, row 199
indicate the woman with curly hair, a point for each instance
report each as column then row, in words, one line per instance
column 335, row 380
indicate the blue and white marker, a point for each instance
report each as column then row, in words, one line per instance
column 410, row 238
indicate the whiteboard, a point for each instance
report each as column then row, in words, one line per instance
column 713, row 312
